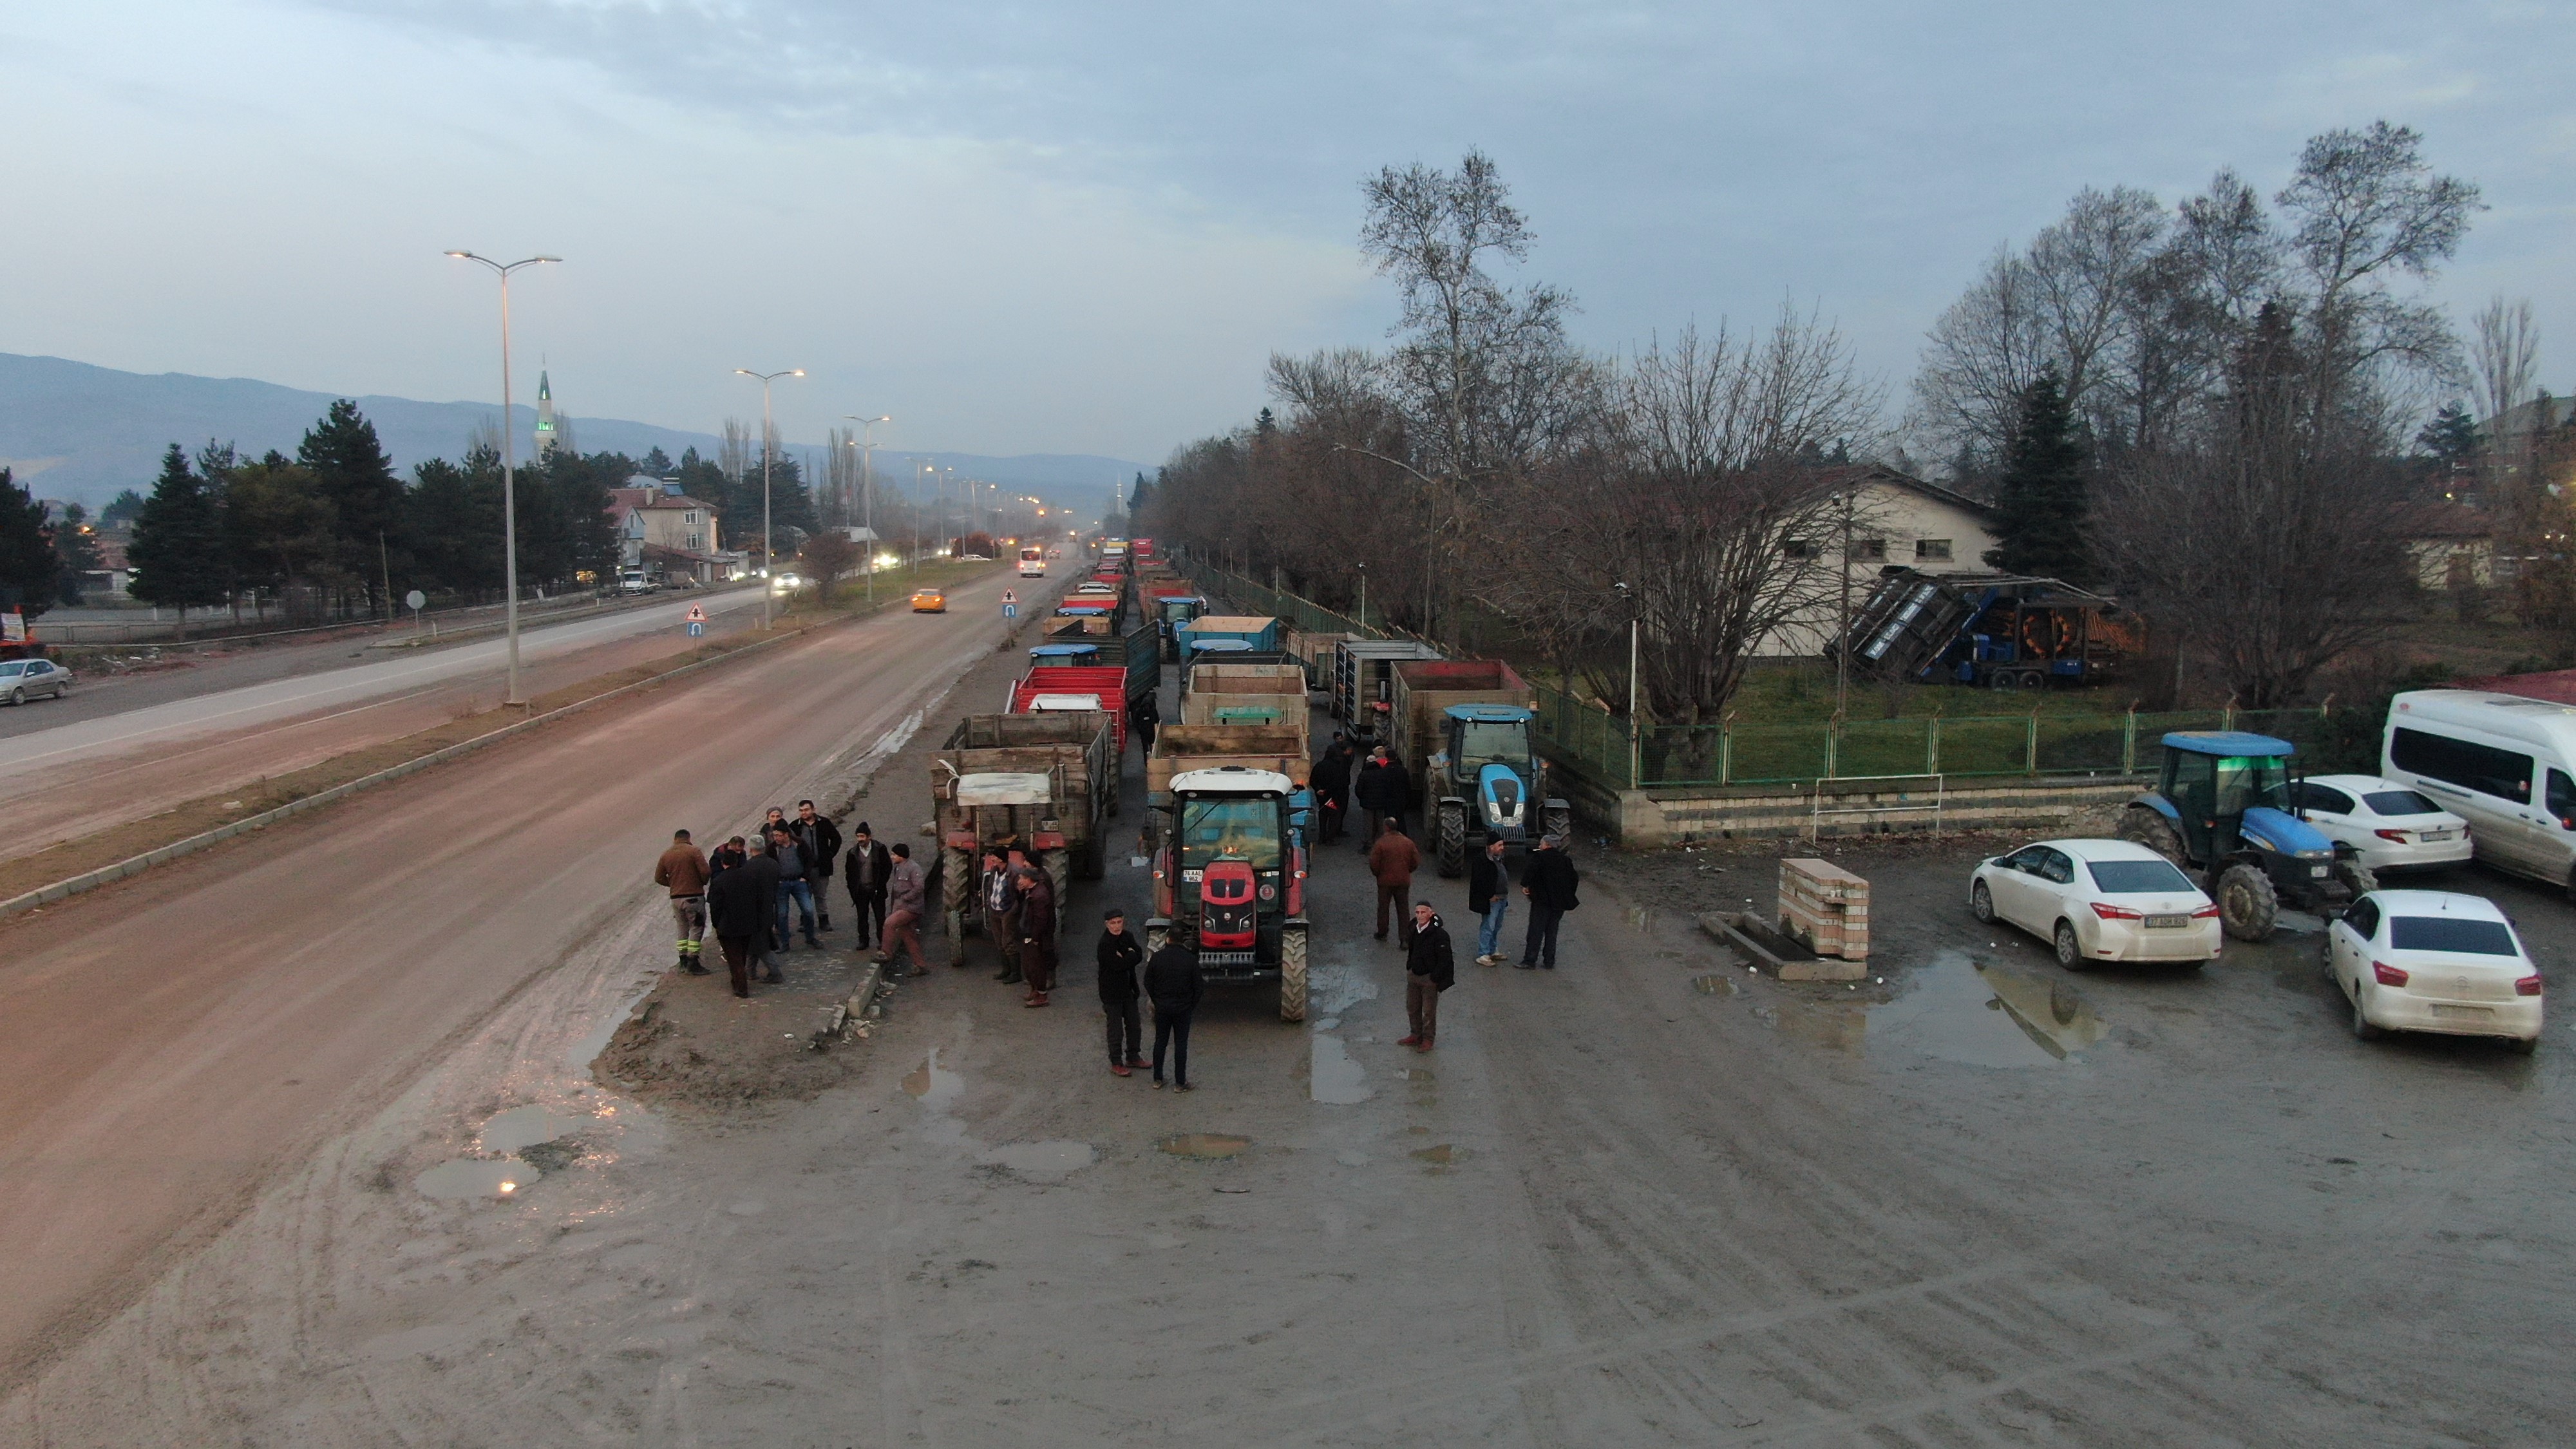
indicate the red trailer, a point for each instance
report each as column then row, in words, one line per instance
column 1067, row 686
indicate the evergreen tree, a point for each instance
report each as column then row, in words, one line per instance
column 2451, row 438
column 2041, row 503
column 119, row 513
column 75, row 552
column 1137, row 498
column 29, row 572
column 453, row 517
column 657, row 462
column 178, row 548
column 278, row 526
column 357, row 480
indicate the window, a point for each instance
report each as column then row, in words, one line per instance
column 2363, row 918
column 1931, row 550
column 2137, row 877
column 690, row 516
column 697, row 540
column 2027, row 859
column 2332, row 801
column 1797, row 548
column 2399, row 802
column 2450, row 933
column 1245, row 828
column 1869, row 550
column 2562, row 800
column 2504, row 774
column 2055, row 867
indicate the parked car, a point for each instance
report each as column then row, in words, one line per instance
column 25, row 679
column 2394, row 827
column 2098, row 900
column 2504, row 763
column 929, row 601
column 2435, row 961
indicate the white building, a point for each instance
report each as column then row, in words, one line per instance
column 1897, row 522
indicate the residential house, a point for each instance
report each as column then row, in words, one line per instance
column 1898, row 521
column 665, row 531
column 2454, row 547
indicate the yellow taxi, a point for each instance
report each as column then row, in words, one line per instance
column 929, row 601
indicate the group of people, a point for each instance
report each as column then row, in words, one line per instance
column 1169, row 979
column 1379, row 786
column 756, row 893
column 1019, row 905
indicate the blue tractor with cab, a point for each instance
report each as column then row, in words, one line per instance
column 2223, row 806
column 1488, row 783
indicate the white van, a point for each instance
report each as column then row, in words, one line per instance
column 2505, row 764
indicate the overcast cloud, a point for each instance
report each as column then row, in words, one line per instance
column 1082, row 227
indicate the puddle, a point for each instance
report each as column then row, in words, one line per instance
column 1986, row 1016
column 1333, row 988
column 1203, row 1144
column 522, row 1127
column 1335, row 1079
column 1444, row 1155
column 1838, row 1027
column 476, row 1177
column 1414, row 1074
column 1041, row 1159
column 934, row 1084
column 1716, row 984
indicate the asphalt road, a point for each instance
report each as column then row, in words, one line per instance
column 174, row 1043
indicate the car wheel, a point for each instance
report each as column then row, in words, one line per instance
column 18, row 696
column 2070, row 951
column 1981, row 903
column 2522, row 1046
column 2361, row 1023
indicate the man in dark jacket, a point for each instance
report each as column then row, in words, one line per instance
column 1037, row 933
column 1384, row 790
column 763, row 871
column 1548, row 881
column 1489, row 894
column 1120, row 954
column 1429, row 969
column 867, row 869
column 1173, row 984
column 1000, row 897
column 1331, row 780
column 740, row 920
column 818, row 839
column 1144, row 715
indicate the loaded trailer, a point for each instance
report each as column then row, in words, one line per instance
column 1998, row 631
column 1045, row 782
column 1462, row 730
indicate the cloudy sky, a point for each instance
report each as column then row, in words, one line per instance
column 1082, row 227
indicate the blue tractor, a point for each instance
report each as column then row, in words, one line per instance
column 2223, row 807
column 1488, row 783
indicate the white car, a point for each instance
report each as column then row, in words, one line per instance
column 25, row 679
column 2394, row 826
column 2098, row 900
column 2434, row 961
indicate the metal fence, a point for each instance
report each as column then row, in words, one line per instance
column 1289, row 609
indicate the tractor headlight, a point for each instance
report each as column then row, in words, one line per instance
column 2316, row 855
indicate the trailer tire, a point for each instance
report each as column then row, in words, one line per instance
column 1292, row 971
column 1557, row 819
column 2142, row 825
column 2248, row 906
column 1450, row 843
column 2002, row 681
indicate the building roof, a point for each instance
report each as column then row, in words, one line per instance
column 1864, row 475
column 2449, row 521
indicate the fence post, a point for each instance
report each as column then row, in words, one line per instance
column 1726, row 748
column 2030, row 749
column 1932, row 744
column 1635, row 753
column 2129, row 743
column 1833, row 744
column 2227, row 716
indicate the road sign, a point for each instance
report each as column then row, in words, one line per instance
column 1010, row 604
column 415, row 600
column 697, row 621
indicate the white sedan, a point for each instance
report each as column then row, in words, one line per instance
column 2098, row 900
column 2394, row 828
column 2434, row 961
column 25, row 679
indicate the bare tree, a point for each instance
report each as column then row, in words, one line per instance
column 2368, row 212
column 2504, row 356
column 733, row 454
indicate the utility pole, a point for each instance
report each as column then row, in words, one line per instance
column 509, row 470
column 768, row 537
column 1842, row 621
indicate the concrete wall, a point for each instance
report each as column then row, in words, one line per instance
column 1656, row 817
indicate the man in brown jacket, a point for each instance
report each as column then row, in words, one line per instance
column 1392, row 858
column 683, row 868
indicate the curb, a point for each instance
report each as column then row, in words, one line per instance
column 136, row 865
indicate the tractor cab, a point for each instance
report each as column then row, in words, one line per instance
column 2218, row 809
column 1491, row 761
column 1232, row 865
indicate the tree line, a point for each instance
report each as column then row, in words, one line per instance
column 2209, row 410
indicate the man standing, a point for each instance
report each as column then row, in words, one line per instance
column 1385, row 789
column 1489, row 894
column 1331, row 779
column 741, row 921
column 728, row 856
column 1429, row 969
column 763, row 872
column 870, row 869
column 684, row 870
column 907, row 891
column 1120, row 954
column 792, row 887
column 1393, row 859
column 820, row 840
column 1144, row 714
column 1037, row 933
column 1173, row 984
column 1002, row 914
column 1548, row 880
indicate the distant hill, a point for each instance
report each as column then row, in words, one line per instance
column 80, row 433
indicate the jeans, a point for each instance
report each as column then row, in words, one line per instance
column 1542, row 932
column 802, row 895
column 1126, row 1032
column 1489, row 936
column 1172, row 1027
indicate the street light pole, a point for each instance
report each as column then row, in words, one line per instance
column 1842, row 621
column 1629, row 597
column 768, row 538
column 868, row 489
column 509, row 469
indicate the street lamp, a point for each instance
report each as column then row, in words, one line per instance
column 1628, row 597
column 768, row 543
column 868, row 488
column 509, row 482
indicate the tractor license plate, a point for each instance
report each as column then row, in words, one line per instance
column 2168, row 923
column 2321, row 871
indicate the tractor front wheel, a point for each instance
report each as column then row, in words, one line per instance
column 2248, row 907
column 2142, row 825
column 1292, row 971
column 1450, row 843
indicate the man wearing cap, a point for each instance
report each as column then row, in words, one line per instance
column 1120, row 953
column 1548, row 881
column 868, row 870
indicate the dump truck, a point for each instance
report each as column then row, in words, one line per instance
column 1232, row 863
column 1998, row 631
column 1462, row 730
column 1361, row 678
column 1044, row 782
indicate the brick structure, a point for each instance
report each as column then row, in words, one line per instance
column 1826, row 908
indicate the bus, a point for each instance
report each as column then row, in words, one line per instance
column 1032, row 563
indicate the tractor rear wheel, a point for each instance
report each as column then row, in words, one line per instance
column 1557, row 819
column 2144, row 826
column 1450, row 844
column 2248, row 907
column 2357, row 877
column 1292, row 971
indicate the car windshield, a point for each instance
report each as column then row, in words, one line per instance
column 2399, row 802
column 1237, row 827
column 2450, row 933
column 2137, row 877
column 1481, row 743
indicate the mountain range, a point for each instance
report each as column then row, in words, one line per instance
column 79, row 433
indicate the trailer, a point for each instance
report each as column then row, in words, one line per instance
column 1272, row 695
column 1257, row 632
column 1361, row 677
column 1133, row 648
column 1181, row 747
column 1313, row 652
column 1998, row 631
column 1044, row 782
column 1074, row 688
column 1419, row 693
